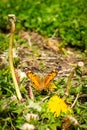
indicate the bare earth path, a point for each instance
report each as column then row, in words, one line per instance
column 38, row 56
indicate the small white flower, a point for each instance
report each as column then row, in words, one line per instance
column 80, row 64
column 27, row 126
column 31, row 116
column 22, row 75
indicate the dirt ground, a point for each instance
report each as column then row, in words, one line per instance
column 43, row 55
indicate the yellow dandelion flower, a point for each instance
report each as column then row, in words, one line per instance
column 57, row 105
column 52, row 86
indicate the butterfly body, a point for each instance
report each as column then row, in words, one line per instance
column 41, row 83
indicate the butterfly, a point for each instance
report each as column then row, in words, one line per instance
column 41, row 83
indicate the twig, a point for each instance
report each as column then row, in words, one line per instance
column 75, row 100
column 12, row 19
column 44, row 99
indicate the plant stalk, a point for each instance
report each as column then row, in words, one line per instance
column 69, row 82
column 11, row 19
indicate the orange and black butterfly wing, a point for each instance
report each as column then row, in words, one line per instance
column 34, row 79
column 49, row 78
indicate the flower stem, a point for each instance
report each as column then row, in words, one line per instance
column 12, row 20
column 69, row 82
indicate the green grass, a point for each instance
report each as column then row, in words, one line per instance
column 69, row 17
column 13, row 112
